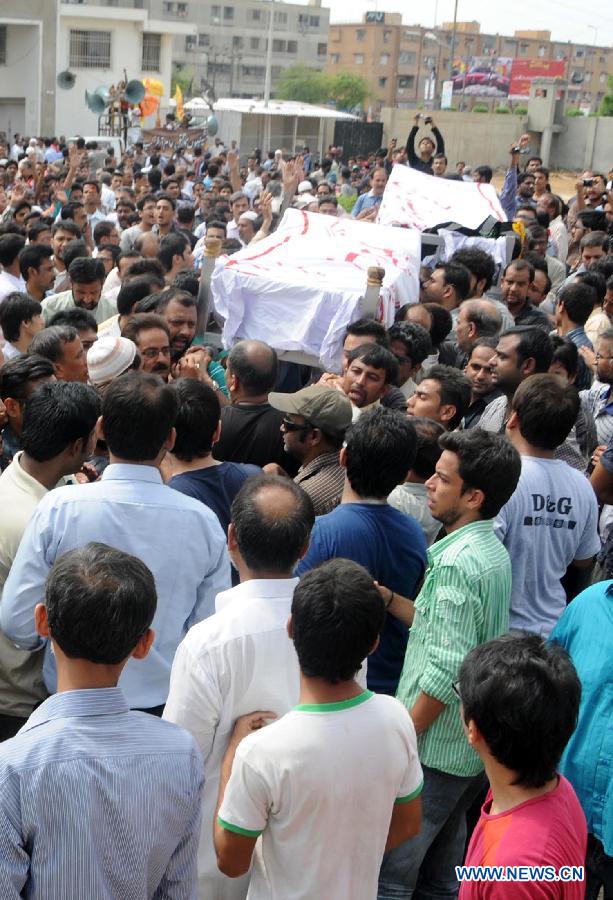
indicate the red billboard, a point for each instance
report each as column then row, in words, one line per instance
column 524, row 70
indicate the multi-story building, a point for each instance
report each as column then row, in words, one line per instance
column 228, row 52
column 405, row 65
column 95, row 40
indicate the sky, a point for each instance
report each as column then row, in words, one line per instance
column 565, row 19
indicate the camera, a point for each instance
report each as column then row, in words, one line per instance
column 588, row 182
column 428, row 120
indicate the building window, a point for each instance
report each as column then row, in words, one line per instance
column 407, row 58
column 384, row 59
column 255, row 15
column 292, row 46
column 228, row 13
column 322, row 49
column 358, row 59
column 360, row 34
column 280, row 18
column 90, row 49
column 579, row 52
column 253, row 71
column 152, row 50
column 254, row 43
column 279, row 46
column 204, row 40
column 406, row 81
column 215, row 15
column 382, row 82
column 603, row 75
column 335, row 59
column 190, row 42
column 523, row 49
column 386, row 36
column 314, row 21
column 2, row 45
column 542, row 50
column 237, row 42
column 174, row 9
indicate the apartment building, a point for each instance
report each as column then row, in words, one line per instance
column 228, row 52
column 94, row 39
column 405, row 65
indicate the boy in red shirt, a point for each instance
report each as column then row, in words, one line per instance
column 520, row 700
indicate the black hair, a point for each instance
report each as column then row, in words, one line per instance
column 100, row 602
column 337, row 616
column 255, row 376
column 113, row 249
column 85, row 270
column 458, row 276
column 537, row 261
column 167, row 197
column 416, row 340
column 152, row 268
column 367, row 327
column 579, row 300
column 81, row 319
column 173, row 244
column 595, row 280
column 604, row 266
column 454, row 390
column 101, row 230
column 378, row 357
column 271, row 539
column 68, row 211
column 523, row 176
column 15, row 310
column 595, row 239
column 442, row 323
column 187, row 280
column 523, row 695
column 66, row 225
column 487, row 462
column 11, row 246
column 185, row 214
column 51, row 340
column 197, row 419
column 380, row 449
column 565, row 353
column 428, row 432
column 329, row 199
column 144, row 322
column 520, row 265
column 131, row 292
column 593, row 219
column 484, row 172
column 547, row 410
column 17, row 373
column 37, row 229
column 146, row 198
column 479, row 263
column 56, row 414
column 138, row 414
column 73, row 250
column 534, row 343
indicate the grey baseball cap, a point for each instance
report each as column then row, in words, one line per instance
column 324, row 407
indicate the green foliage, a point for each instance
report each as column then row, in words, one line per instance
column 311, row 86
column 502, row 110
column 184, row 80
column 303, row 84
column 606, row 106
column 348, row 90
column 480, row 107
column 573, row 113
column 520, row 111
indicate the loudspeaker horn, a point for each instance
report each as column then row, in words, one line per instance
column 135, row 91
column 95, row 103
column 66, row 80
column 212, row 126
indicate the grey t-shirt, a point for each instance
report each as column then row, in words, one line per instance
column 551, row 519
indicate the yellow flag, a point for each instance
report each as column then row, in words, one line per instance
column 179, row 101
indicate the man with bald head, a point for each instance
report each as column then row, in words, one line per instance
column 250, row 426
column 476, row 319
column 240, row 659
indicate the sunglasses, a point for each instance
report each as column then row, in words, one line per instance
column 293, row 426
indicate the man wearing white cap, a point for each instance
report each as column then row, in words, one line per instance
column 109, row 358
column 246, row 227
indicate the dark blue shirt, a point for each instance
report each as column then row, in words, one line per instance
column 392, row 546
column 215, row 486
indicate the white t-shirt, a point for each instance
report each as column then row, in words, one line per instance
column 320, row 785
column 551, row 519
column 236, row 661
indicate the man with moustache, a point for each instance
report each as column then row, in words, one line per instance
column 151, row 335
column 87, row 277
column 479, row 372
column 515, row 283
column 370, row 369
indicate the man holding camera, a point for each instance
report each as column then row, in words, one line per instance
column 422, row 160
column 517, row 190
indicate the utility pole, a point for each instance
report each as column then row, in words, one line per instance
column 271, row 23
column 453, row 35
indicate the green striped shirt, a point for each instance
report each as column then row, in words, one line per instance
column 464, row 601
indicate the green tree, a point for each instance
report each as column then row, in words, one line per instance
column 606, row 106
column 303, row 84
column 184, row 79
column 348, row 90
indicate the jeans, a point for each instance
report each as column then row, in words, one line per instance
column 423, row 868
column 598, row 870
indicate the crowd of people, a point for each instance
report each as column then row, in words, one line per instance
column 270, row 631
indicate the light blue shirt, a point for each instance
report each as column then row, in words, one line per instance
column 366, row 201
column 130, row 508
column 99, row 802
column 586, row 632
